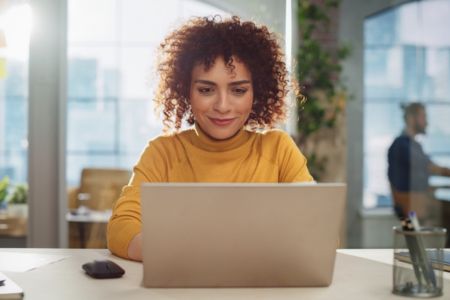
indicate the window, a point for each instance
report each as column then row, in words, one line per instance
column 406, row 58
column 111, row 61
column 15, row 25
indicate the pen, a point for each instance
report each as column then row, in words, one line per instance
column 415, row 222
column 411, row 243
column 425, row 264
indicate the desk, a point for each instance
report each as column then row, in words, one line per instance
column 359, row 274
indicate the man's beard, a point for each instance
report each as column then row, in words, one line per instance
column 419, row 129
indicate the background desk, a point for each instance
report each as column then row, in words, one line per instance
column 359, row 274
column 91, row 228
column 13, row 231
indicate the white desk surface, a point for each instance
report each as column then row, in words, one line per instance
column 359, row 274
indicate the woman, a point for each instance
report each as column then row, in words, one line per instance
column 228, row 79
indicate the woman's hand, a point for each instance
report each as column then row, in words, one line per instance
column 135, row 248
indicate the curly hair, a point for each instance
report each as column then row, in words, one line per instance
column 202, row 40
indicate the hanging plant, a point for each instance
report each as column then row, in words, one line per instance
column 318, row 71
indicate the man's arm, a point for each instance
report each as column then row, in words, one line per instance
column 438, row 170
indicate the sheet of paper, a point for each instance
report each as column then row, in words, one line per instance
column 23, row 262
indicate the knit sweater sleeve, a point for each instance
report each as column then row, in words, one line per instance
column 125, row 222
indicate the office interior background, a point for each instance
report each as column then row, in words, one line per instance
column 77, row 79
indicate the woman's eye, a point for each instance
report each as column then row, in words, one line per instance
column 239, row 91
column 205, row 90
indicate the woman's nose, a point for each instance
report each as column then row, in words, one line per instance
column 222, row 103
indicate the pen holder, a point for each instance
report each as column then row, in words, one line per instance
column 418, row 262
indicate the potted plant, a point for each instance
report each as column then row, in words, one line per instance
column 18, row 201
column 4, row 184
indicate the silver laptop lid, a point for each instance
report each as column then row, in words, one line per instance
column 240, row 235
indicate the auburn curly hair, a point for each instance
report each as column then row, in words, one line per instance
column 202, row 40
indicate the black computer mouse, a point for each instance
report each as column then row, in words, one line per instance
column 103, row 269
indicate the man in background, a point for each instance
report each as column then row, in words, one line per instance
column 409, row 169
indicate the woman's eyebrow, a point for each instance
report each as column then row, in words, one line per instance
column 204, row 82
column 240, row 82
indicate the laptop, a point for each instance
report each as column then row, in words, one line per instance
column 240, row 234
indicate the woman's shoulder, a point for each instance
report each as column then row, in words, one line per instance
column 275, row 136
column 166, row 146
column 273, row 143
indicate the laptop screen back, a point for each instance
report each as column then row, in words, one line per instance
column 240, row 235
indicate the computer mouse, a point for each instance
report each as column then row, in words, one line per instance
column 103, row 269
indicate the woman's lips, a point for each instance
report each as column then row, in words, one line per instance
column 221, row 122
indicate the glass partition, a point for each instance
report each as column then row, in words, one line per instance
column 406, row 59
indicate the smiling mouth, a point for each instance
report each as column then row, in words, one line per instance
column 221, row 122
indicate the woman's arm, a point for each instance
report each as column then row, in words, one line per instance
column 125, row 226
column 125, row 222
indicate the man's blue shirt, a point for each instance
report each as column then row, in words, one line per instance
column 408, row 165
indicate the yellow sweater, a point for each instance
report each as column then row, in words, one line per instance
column 190, row 156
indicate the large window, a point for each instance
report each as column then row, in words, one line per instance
column 406, row 58
column 15, row 25
column 112, row 48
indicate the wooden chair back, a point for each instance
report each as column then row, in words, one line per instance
column 102, row 186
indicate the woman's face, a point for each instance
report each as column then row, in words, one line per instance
column 221, row 98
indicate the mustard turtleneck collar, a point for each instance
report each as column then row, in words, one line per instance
column 201, row 140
